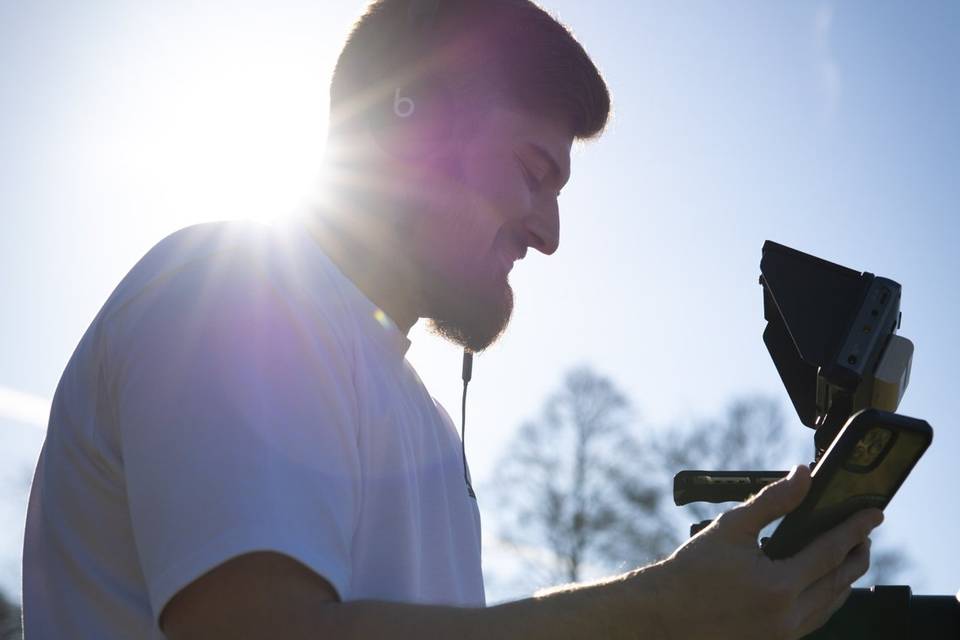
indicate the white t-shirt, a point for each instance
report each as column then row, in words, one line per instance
column 237, row 393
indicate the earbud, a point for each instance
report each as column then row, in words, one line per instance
column 418, row 119
column 403, row 107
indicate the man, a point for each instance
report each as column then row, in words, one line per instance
column 238, row 449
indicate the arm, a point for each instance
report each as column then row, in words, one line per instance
column 718, row 584
column 268, row 595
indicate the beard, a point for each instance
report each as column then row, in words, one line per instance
column 470, row 300
column 473, row 322
column 472, row 306
column 465, row 293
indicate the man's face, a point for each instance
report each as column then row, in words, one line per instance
column 499, row 200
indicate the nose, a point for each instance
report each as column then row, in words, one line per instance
column 543, row 227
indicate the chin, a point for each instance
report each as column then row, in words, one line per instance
column 477, row 322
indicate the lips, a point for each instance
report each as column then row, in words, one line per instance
column 507, row 262
column 510, row 254
column 507, row 249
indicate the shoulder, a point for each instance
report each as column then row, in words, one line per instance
column 210, row 282
column 184, row 258
column 243, row 262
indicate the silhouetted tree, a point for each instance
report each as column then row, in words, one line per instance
column 580, row 489
column 752, row 434
column 568, row 488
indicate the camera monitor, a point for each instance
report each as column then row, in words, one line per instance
column 831, row 332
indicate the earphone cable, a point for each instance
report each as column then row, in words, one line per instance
column 467, row 374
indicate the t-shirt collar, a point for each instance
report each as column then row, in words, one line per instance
column 385, row 327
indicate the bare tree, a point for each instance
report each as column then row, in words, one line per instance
column 752, row 435
column 581, row 491
column 568, row 490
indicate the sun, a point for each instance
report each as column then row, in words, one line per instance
column 215, row 137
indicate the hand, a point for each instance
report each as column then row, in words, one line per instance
column 720, row 585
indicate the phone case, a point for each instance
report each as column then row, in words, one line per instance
column 863, row 467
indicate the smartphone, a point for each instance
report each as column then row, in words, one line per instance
column 864, row 466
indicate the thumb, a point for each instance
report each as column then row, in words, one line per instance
column 774, row 500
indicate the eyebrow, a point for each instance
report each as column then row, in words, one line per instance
column 564, row 178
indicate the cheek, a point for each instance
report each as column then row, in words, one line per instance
column 459, row 231
column 454, row 234
column 496, row 188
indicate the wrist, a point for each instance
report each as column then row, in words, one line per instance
column 623, row 606
column 629, row 605
column 647, row 586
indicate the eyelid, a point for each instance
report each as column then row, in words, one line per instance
column 532, row 181
column 543, row 167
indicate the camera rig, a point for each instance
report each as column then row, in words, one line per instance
column 832, row 334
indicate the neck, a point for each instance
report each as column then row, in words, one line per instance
column 367, row 257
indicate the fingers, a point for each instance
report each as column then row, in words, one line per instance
column 823, row 598
column 828, row 551
column 775, row 500
column 820, row 618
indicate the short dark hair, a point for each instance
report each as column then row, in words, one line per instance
column 485, row 50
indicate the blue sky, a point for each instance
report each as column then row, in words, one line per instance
column 831, row 127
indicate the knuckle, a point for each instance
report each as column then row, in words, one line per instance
column 728, row 519
column 866, row 524
column 854, row 525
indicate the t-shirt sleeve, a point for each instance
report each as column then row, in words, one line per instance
column 237, row 416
